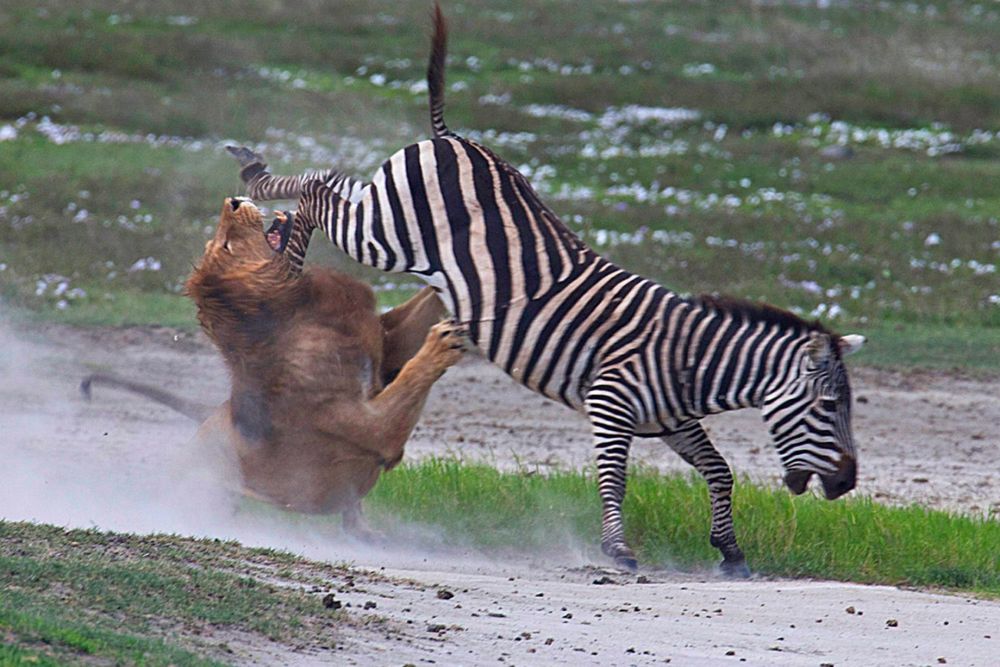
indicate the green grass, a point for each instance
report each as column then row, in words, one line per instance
column 87, row 596
column 667, row 521
column 296, row 81
column 932, row 347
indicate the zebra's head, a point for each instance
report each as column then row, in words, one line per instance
column 809, row 416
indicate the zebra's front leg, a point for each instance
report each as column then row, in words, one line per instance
column 693, row 445
column 252, row 165
column 262, row 185
column 613, row 421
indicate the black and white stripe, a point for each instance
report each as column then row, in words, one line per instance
column 636, row 358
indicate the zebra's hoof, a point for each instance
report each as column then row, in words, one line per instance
column 244, row 155
column 735, row 569
column 627, row 563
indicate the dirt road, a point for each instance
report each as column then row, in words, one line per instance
column 122, row 463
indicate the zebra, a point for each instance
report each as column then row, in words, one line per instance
column 293, row 239
column 637, row 359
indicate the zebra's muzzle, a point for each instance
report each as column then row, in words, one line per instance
column 797, row 481
column 842, row 481
column 834, row 485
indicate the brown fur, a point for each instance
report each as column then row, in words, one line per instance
column 308, row 418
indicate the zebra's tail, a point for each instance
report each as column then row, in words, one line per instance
column 190, row 409
column 435, row 73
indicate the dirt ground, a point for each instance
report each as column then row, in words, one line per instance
column 122, row 463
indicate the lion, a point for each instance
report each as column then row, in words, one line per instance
column 325, row 393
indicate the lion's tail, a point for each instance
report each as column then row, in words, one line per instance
column 196, row 411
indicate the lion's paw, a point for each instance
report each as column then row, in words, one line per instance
column 446, row 343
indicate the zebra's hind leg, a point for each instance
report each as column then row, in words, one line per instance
column 693, row 445
column 612, row 418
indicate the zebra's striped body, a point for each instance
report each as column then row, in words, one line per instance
column 636, row 358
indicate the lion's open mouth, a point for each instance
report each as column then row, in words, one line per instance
column 277, row 234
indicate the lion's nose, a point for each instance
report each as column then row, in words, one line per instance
column 235, row 203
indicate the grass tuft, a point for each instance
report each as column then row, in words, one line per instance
column 667, row 521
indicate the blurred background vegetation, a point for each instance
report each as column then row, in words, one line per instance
column 837, row 158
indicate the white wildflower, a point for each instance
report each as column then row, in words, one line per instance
column 145, row 264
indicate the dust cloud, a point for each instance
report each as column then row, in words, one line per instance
column 124, row 464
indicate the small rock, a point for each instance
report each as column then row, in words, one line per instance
column 892, row 623
column 567, row 615
column 642, row 579
column 436, row 627
column 850, row 610
column 370, row 604
column 330, row 602
column 604, row 579
column 548, row 641
column 444, row 594
column 730, row 652
column 942, row 661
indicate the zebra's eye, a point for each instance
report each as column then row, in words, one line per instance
column 828, row 404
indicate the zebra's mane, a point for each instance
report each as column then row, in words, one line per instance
column 757, row 312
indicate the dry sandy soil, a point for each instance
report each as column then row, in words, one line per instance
column 122, row 463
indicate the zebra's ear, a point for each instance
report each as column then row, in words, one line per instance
column 851, row 343
column 819, row 347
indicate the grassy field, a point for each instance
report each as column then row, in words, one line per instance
column 840, row 161
column 87, row 597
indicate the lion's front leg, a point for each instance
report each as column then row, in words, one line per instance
column 383, row 424
column 357, row 526
column 405, row 328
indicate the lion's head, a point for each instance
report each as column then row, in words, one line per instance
column 240, row 235
column 242, row 284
